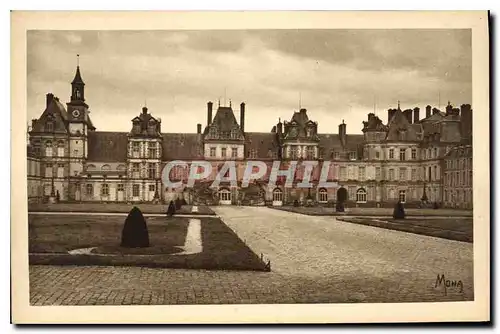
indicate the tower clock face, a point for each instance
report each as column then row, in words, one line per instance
column 76, row 113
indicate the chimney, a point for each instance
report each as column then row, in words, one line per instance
column 428, row 111
column 435, row 110
column 391, row 113
column 466, row 120
column 408, row 113
column 242, row 116
column 416, row 115
column 209, row 113
column 33, row 122
column 144, row 110
column 342, row 132
column 279, row 126
column 198, row 128
column 50, row 97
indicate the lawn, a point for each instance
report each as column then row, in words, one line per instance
column 114, row 208
column 387, row 212
column 52, row 236
column 460, row 229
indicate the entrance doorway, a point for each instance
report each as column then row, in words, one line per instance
column 277, row 197
column 341, row 195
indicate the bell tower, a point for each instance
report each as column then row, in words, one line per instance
column 78, row 86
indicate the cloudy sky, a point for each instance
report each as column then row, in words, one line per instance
column 338, row 74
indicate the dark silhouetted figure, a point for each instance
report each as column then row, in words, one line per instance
column 436, row 205
column 183, row 201
column 135, row 231
column 399, row 211
column 171, row 209
column 339, row 207
column 178, row 204
column 58, row 197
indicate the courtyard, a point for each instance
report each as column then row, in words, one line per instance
column 314, row 259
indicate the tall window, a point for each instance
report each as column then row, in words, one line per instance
column 120, row 187
column 336, row 155
column 105, row 189
column 361, row 196
column 136, row 149
column 152, row 170
column 151, row 187
column 323, row 195
column 435, row 175
column 343, row 173
column 294, row 152
column 135, row 170
column 391, row 153
column 48, row 170
column 48, row 148
column 89, row 189
column 414, row 153
column 378, row 173
column 60, row 170
column 435, row 152
column 60, row 148
column 310, row 152
column 212, row 152
column 223, row 152
column 152, row 150
column 362, row 173
column 234, row 152
column 352, row 193
column 224, row 195
column 402, row 174
column 391, row 174
column 414, row 174
column 135, row 190
column 402, row 154
column 402, row 196
column 377, row 154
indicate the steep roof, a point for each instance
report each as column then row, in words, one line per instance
column 262, row 143
column 78, row 77
column 106, row 146
column 461, row 151
column 224, row 119
column 179, row 146
column 399, row 124
column 55, row 113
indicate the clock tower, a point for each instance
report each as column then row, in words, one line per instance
column 78, row 125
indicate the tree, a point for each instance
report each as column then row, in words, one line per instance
column 135, row 231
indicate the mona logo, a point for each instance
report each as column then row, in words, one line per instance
column 441, row 280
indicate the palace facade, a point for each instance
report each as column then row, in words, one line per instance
column 405, row 159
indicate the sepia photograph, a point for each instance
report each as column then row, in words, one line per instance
column 268, row 166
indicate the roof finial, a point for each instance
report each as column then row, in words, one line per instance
column 218, row 101
column 399, row 105
column 77, row 60
column 230, row 103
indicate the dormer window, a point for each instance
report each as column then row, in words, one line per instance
column 49, row 126
column 352, row 155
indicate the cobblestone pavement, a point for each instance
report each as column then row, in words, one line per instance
column 313, row 259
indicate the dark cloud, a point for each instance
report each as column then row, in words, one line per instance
column 177, row 72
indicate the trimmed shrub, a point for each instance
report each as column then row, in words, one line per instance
column 135, row 231
column 339, row 207
column 399, row 211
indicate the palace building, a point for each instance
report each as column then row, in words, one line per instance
column 409, row 158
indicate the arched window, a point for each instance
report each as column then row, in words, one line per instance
column 90, row 167
column 361, row 195
column 105, row 167
column 402, row 196
column 323, row 195
column 121, row 167
column 277, row 195
column 48, row 148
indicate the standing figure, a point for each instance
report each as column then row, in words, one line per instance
column 171, row 209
